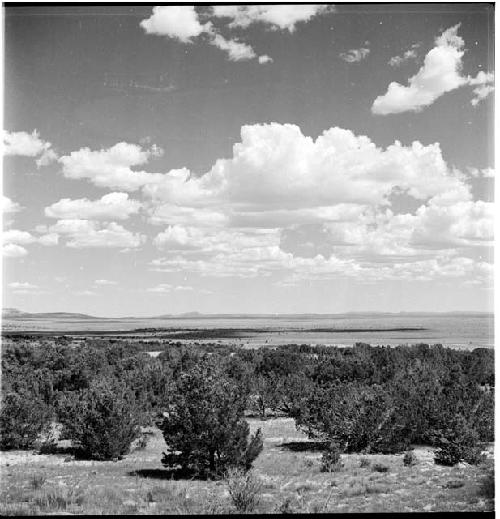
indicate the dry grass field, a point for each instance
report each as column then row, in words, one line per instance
column 288, row 475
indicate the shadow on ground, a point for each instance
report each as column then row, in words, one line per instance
column 169, row 474
column 304, row 446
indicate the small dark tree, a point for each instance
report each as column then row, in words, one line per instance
column 23, row 417
column 102, row 420
column 265, row 394
column 204, row 426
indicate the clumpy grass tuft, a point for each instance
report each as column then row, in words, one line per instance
column 409, row 459
column 37, row 481
column 244, row 489
column 364, row 463
column 58, row 499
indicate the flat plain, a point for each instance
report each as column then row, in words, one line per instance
column 287, row 471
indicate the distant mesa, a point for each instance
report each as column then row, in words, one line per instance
column 14, row 313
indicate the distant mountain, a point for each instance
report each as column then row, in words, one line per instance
column 11, row 312
column 14, row 313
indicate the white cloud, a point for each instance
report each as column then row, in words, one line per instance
column 482, row 173
column 265, row 59
column 8, row 206
column 259, row 203
column 105, row 282
column 179, row 238
column 85, row 293
column 276, row 168
column 481, row 92
column 12, row 250
column 13, row 241
column 183, row 23
column 411, row 53
column 461, row 224
column 183, row 288
column 165, row 213
column 355, row 55
column 273, row 16
column 440, row 73
column 23, row 285
column 28, row 145
column 90, row 234
column 236, row 50
column 113, row 206
column 180, row 22
column 46, row 158
column 111, row 167
column 165, row 288
column 19, row 237
column 49, row 239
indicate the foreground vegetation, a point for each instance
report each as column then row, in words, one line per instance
column 288, row 476
column 170, row 434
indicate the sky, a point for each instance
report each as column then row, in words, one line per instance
column 248, row 159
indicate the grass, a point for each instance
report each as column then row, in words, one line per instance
column 290, row 481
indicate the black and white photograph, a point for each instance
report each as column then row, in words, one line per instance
column 248, row 258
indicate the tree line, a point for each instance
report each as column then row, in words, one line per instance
column 359, row 399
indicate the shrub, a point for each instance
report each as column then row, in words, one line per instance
column 356, row 416
column 409, row 459
column 37, row 481
column 330, row 460
column 364, row 463
column 23, row 417
column 379, row 467
column 142, row 442
column 254, row 448
column 459, row 442
column 244, row 489
column 487, row 488
column 204, row 427
column 454, row 483
column 102, row 420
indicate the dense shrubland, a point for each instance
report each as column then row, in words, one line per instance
column 360, row 399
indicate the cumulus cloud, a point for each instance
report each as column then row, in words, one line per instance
column 8, row 206
column 313, row 208
column 91, row 234
column 481, row 92
column 180, row 22
column 28, row 145
column 183, row 23
column 111, row 167
column 277, row 168
column 236, row 50
column 284, row 17
column 355, row 55
column 440, row 73
column 482, row 173
column 13, row 250
column 411, row 53
column 113, row 206
column 49, row 239
column 14, row 242
column 265, row 59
